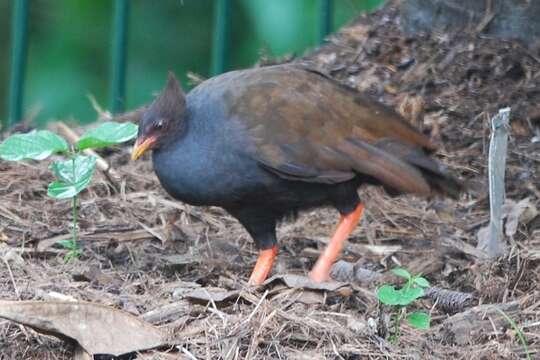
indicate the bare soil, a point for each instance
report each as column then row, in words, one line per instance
column 143, row 251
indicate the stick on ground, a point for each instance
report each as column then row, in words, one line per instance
column 494, row 246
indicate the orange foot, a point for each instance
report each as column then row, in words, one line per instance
column 263, row 266
column 347, row 223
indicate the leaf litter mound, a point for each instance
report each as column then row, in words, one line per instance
column 184, row 269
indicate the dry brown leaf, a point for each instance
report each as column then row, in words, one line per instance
column 367, row 80
column 212, row 294
column 357, row 33
column 179, row 260
column 514, row 213
column 167, row 313
column 308, row 297
column 411, row 107
column 518, row 212
column 98, row 329
column 302, row 282
column 350, row 272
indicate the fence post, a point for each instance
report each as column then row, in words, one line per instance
column 220, row 50
column 119, row 51
column 325, row 19
column 19, row 37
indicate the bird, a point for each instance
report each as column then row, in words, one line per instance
column 267, row 142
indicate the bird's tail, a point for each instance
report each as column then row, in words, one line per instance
column 436, row 175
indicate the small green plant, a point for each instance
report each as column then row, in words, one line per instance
column 75, row 171
column 399, row 299
column 519, row 333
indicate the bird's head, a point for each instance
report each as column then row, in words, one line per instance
column 163, row 119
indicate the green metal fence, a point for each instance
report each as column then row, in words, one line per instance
column 221, row 48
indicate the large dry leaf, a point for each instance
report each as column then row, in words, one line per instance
column 98, row 329
column 302, row 282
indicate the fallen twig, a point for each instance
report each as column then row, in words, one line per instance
column 120, row 236
column 134, row 116
column 168, row 313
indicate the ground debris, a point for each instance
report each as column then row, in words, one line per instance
column 449, row 301
column 148, row 254
column 474, row 324
column 96, row 328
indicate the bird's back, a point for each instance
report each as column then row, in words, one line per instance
column 304, row 126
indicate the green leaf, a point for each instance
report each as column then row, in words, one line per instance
column 36, row 145
column 388, row 295
column 107, row 134
column 73, row 175
column 402, row 273
column 408, row 295
column 420, row 281
column 73, row 247
column 69, row 244
column 419, row 320
column 72, row 254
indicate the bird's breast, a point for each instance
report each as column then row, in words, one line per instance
column 208, row 170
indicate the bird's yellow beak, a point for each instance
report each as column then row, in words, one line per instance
column 141, row 146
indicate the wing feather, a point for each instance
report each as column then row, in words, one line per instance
column 307, row 127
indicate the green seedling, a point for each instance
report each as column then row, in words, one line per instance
column 519, row 333
column 75, row 171
column 401, row 298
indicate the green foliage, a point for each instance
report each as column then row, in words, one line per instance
column 419, row 319
column 36, row 145
column 107, row 134
column 73, row 176
column 400, row 298
column 69, row 53
column 75, row 172
column 73, row 247
column 402, row 273
column 388, row 295
column 420, row 281
column 518, row 331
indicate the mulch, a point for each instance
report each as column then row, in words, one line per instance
column 143, row 251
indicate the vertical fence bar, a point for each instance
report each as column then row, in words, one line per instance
column 325, row 19
column 119, row 51
column 220, row 49
column 19, row 37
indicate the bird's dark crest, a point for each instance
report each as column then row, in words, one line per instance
column 171, row 102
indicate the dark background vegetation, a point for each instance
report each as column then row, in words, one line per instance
column 70, row 43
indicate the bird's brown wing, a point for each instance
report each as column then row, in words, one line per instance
column 307, row 127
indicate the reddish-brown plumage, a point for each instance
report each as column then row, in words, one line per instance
column 267, row 141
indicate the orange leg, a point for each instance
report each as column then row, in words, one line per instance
column 347, row 223
column 263, row 266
